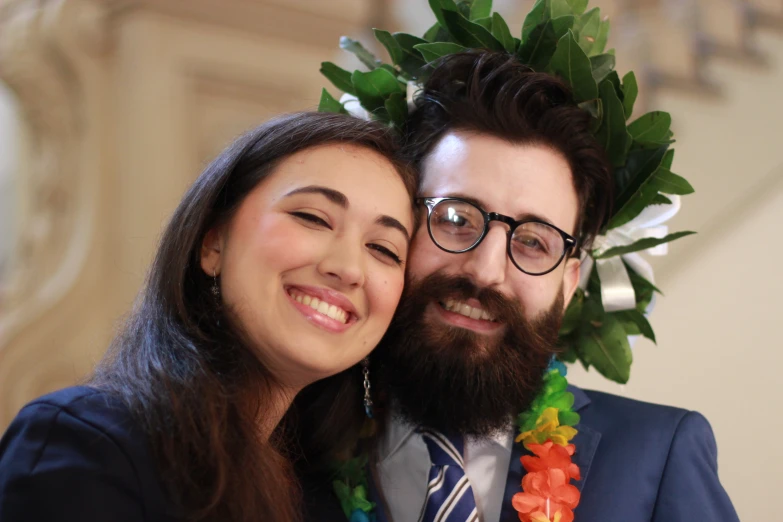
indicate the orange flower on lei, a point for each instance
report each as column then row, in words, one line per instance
column 547, row 493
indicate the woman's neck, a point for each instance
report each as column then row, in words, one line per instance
column 280, row 399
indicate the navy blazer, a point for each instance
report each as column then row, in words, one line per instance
column 77, row 455
column 639, row 462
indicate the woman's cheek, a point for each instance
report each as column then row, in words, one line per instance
column 388, row 294
column 285, row 242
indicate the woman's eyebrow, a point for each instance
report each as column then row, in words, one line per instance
column 390, row 222
column 335, row 196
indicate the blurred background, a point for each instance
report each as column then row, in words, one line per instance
column 110, row 108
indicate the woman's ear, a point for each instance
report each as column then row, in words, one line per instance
column 211, row 251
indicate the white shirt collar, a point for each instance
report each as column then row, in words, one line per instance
column 398, row 431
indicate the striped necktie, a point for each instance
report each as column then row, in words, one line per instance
column 449, row 495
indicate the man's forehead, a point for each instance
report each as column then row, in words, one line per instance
column 510, row 178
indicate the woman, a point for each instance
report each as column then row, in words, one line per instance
column 282, row 265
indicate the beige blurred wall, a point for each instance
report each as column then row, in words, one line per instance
column 151, row 90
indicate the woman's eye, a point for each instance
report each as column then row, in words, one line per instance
column 312, row 218
column 386, row 253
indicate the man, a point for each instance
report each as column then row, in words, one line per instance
column 504, row 149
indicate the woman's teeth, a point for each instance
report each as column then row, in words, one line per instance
column 322, row 307
column 461, row 308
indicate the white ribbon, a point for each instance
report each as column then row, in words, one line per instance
column 617, row 292
column 354, row 107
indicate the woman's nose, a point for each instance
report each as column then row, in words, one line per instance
column 344, row 261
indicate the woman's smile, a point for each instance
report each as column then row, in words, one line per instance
column 324, row 308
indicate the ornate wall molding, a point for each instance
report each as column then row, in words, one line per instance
column 46, row 50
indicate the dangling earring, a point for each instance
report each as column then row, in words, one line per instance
column 367, row 398
column 216, row 292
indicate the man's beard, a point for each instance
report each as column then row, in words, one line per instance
column 455, row 380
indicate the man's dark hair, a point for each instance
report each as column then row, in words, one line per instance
column 495, row 94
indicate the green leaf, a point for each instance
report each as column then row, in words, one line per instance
column 630, row 92
column 339, row 77
column 470, row 34
column 635, row 323
column 630, row 179
column 607, row 349
column 594, row 107
column 573, row 315
column 668, row 182
column 391, row 44
column 439, row 6
column 355, row 47
column 539, row 14
column 587, row 27
column 397, row 107
column 541, row 44
column 602, row 65
column 412, row 61
column 372, row 89
column 568, row 349
column 480, row 9
column 486, row 23
column 578, row 6
column 602, row 38
column 560, row 8
column 642, row 288
column 652, row 127
column 642, row 244
column 668, row 159
column 436, row 33
column 501, row 31
column 613, row 133
column 660, row 199
column 572, row 64
column 433, row 51
column 329, row 104
column 662, row 180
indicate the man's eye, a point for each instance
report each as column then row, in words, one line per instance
column 311, row 218
column 386, row 253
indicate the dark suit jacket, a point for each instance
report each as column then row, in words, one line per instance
column 639, row 462
column 76, row 455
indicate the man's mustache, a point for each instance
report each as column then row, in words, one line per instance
column 442, row 287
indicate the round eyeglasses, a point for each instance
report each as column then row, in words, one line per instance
column 456, row 225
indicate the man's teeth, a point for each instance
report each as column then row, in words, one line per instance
column 459, row 307
column 322, row 307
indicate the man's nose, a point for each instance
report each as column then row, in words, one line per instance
column 487, row 263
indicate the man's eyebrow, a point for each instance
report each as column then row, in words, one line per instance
column 390, row 222
column 519, row 217
column 335, row 196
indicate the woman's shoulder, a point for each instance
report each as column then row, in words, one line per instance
column 84, row 408
column 76, row 440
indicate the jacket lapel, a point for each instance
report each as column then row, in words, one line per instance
column 586, row 442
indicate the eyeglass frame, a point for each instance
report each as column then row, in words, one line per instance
column 569, row 242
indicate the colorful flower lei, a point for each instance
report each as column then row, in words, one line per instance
column 545, row 430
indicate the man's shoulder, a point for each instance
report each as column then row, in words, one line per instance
column 615, row 416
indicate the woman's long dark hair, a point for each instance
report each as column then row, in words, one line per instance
column 186, row 372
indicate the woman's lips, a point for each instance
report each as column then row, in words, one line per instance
column 322, row 313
